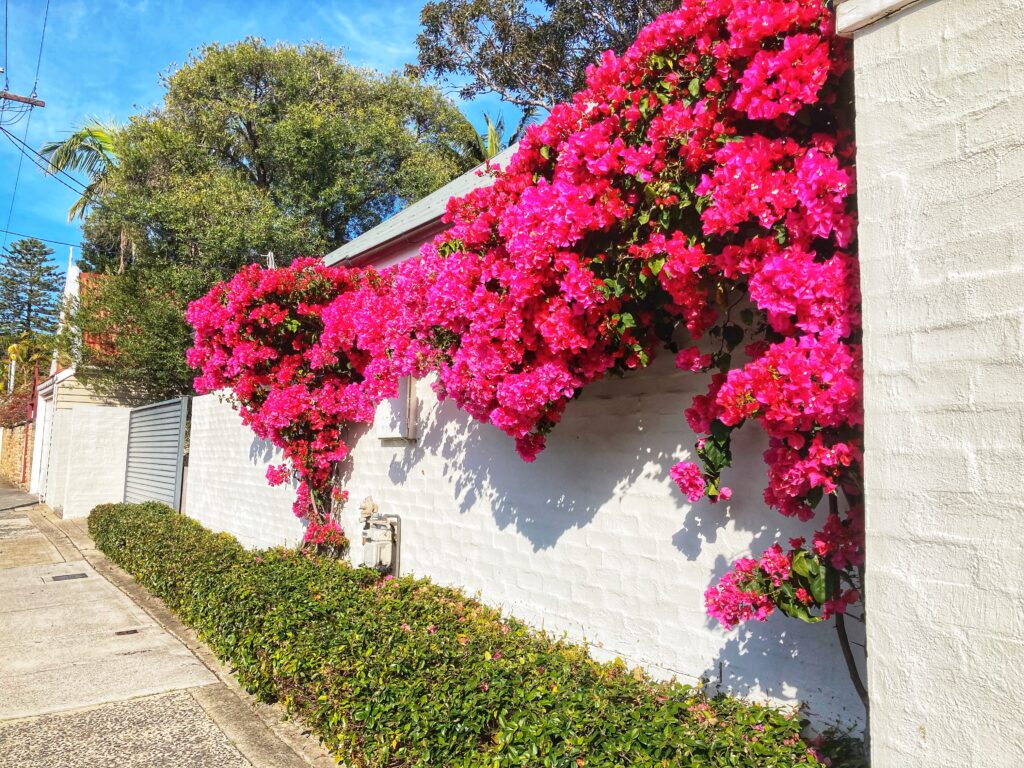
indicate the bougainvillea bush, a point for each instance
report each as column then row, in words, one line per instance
column 15, row 408
column 696, row 197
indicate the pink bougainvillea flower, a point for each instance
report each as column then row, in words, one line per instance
column 696, row 193
column 690, row 479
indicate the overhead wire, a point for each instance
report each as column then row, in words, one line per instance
column 7, row 13
column 42, row 39
column 7, row 77
column 43, row 163
column 18, row 113
column 43, row 239
column 17, row 176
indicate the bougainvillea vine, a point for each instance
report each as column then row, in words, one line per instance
column 697, row 197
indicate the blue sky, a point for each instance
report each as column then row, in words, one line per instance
column 104, row 59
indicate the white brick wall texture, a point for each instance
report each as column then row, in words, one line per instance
column 96, row 457
column 226, row 487
column 592, row 540
column 940, row 166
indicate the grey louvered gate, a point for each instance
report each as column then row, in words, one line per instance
column 156, row 443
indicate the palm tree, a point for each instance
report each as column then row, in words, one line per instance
column 493, row 142
column 92, row 150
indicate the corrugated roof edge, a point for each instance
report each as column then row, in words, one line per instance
column 420, row 214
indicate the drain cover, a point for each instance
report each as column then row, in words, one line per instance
column 69, row 576
column 127, row 632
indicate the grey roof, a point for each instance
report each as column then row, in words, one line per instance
column 421, row 213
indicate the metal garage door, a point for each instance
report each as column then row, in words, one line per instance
column 156, row 442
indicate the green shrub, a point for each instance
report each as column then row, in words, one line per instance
column 400, row 672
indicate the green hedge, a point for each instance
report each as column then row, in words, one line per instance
column 400, row 672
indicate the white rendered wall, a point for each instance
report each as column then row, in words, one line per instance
column 940, row 166
column 227, row 488
column 96, row 458
column 592, row 539
column 59, row 451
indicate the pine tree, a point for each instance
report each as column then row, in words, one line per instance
column 30, row 289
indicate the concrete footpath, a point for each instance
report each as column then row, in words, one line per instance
column 95, row 672
column 12, row 498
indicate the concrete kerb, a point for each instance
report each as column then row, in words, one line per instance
column 261, row 732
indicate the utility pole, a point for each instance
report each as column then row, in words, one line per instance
column 8, row 96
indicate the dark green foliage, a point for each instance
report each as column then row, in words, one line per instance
column 533, row 55
column 30, row 289
column 130, row 332
column 404, row 673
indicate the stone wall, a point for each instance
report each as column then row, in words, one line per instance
column 13, row 455
column 940, row 167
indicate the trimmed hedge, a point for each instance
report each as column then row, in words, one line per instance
column 400, row 672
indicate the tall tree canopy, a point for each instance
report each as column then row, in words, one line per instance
column 30, row 289
column 532, row 54
column 256, row 148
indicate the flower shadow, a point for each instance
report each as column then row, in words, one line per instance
column 601, row 454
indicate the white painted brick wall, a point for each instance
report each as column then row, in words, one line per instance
column 592, row 539
column 96, row 458
column 60, row 450
column 226, row 487
column 940, row 166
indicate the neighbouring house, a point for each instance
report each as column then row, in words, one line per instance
column 79, row 447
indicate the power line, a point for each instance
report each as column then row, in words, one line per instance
column 30, row 101
column 26, row 150
column 42, row 38
column 17, row 176
column 7, row 80
column 43, row 164
column 42, row 167
column 7, row 14
column 44, row 239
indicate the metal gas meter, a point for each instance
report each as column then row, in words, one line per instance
column 382, row 537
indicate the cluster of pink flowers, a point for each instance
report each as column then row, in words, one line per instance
column 698, row 193
column 326, row 533
column 738, row 597
column 258, row 335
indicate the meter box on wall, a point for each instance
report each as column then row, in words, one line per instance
column 396, row 417
column 382, row 538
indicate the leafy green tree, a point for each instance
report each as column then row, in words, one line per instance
column 532, row 54
column 339, row 146
column 30, row 289
column 114, row 336
column 256, row 148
